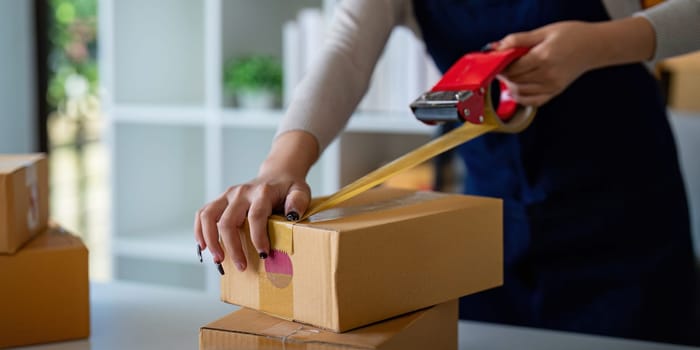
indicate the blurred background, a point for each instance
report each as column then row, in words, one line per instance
column 150, row 108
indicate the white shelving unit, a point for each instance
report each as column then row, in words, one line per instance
column 174, row 143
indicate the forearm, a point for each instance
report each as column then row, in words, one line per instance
column 677, row 27
column 326, row 97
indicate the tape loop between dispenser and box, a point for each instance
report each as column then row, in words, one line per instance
column 279, row 300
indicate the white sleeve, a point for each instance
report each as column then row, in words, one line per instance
column 677, row 26
column 326, row 97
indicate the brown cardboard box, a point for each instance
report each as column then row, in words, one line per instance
column 681, row 81
column 24, row 199
column 434, row 328
column 44, row 291
column 381, row 254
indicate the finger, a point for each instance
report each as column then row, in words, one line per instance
column 525, row 89
column 297, row 201
column 208, row 218
column 260, row 210
column 533, row 100
column 229, row 227
column 521, row 39
column 198, row 235
column 526, row 64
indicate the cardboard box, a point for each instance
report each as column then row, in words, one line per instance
column 434, row 328
column 44, row 293
column 680, row 80
column 24, row 199
column 381, row 254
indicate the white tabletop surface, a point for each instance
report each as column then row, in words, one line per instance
column 137, row 316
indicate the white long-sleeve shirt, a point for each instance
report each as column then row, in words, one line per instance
column 327, row 96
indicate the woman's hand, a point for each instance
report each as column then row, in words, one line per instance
column 563, row 51
column 280, row 185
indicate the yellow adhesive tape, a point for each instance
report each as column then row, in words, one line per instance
column 454, row 138
column 282, row 239
column 281, row 234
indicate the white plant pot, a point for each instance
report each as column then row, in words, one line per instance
column 256, row 99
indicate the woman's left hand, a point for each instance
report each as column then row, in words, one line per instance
column 560, row 53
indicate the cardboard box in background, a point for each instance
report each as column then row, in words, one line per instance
column 44, row 293
column 434, row 328
column 421, row 177
column 381, row 254
column 24, row 199
column 680, row 82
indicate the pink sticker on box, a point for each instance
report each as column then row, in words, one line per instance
column 278, row 268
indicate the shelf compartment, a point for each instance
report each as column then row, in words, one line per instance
column 156, row 114
column 241, row 161
column 158, row 174
column 159, row 51
column 261, row 34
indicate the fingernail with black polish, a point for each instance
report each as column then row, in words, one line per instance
column 199, row 253
column 263, row 255
column 220, row 268
column 292, row 216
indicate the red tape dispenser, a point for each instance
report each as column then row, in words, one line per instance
column 469, row 91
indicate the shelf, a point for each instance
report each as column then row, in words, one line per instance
column 174, row 142
column 177, row 245
column 251, row 118
column 388, row 122
column 371, row 122
column 155, row 114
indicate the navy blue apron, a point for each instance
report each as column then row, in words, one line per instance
column 597, row 236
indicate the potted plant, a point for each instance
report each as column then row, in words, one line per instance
column 255, row 81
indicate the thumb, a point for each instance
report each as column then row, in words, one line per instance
column 297, row 201
column 522, row 39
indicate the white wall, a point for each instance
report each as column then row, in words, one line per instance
column 686, row 127
column 17, row 77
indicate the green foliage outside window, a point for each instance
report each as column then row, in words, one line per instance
column 73, row 41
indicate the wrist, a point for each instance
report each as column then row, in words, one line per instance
column 623, row 41
column 292, row 153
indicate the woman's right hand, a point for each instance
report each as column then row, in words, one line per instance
column 280, row 186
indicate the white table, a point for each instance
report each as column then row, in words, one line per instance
column 137, row 316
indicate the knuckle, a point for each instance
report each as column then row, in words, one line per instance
column 207, row 214
column 265, row 190
column 514, row 89
column 225, row 224
column 237, row 191
column 243, row 188
column 257, row 213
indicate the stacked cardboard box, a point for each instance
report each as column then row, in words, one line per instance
column 680, row 82
column 362, row 270
column 43, row 269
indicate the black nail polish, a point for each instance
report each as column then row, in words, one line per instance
column 199, row 253
column 292, row 216
column 263, row 255
column 220, row 268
